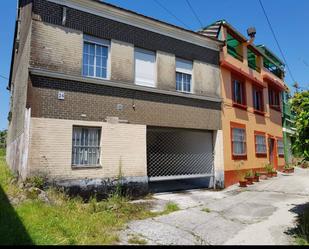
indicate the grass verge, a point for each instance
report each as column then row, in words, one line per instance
column 64, row 220
column 302, row 229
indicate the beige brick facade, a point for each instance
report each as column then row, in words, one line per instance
column 122, row 145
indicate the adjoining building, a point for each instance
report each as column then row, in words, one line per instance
column 289, row 130
column 252, row 81
column 99, row 92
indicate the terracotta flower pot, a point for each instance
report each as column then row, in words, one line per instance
column 256, row 179
column 274, row 174
column 270, row 175
column 249, row 180
column 291, row 170
column 242, row 184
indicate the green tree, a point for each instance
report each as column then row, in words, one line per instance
column 300, row 105
column 3, row 135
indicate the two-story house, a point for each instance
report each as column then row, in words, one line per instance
column 100, row 92
column 252, row 81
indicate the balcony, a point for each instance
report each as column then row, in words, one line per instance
column 234, row 47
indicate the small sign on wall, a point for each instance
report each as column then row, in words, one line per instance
column 60, row 95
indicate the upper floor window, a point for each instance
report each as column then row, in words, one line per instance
column 258, row 104
column 234, row 47
column 238, row 92
column 274, row 98
column 184, row 75
column 145, row 67
column 86, row 146
column 96, row 57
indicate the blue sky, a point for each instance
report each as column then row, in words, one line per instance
column 289, row 20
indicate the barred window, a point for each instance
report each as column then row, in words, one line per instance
column 86, row 146
column 260, row 144
column 239, row 141
column 280, row 147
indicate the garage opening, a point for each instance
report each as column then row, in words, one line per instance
column 179, row 154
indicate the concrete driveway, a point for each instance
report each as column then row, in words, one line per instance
column 258, row 215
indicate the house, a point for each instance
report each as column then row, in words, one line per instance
column 252, row 84
column 289, row 130
column 100, row 93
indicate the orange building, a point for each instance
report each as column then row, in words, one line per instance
column 252, row 81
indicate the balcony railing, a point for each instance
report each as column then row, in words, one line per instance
column 254, row 66
column 233, row 52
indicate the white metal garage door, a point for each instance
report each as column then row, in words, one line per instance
column 179, row 154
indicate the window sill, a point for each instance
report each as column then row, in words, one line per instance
column 240, row 106
column 275, row 108
column 261, row 155
column 239, row 157
column 77, row 167
column 262, row 113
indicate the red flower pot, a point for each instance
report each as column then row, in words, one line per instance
column 242, row 184
column 249, row 180
column 274, row 174
column 270, row 175
column 256, row 179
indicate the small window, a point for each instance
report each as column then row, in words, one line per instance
column 184, row 75
column 238, row 92
column 280, row 147
column 274, row 98
column 145, row 71
column 86, row 146
column 260, row 144
column 239, row 147
column 95, row 58
column 258, row 99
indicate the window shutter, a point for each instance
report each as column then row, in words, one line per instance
column 145, row 67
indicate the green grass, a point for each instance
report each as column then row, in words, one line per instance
column 66, row 221
column 302, row 229
column 169, row 208
column 135, row 239
column 207, row 210
column 2, row 152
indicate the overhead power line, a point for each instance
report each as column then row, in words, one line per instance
column 3, row 77
column 171, row 13
column 272, row 30
column 194, row 13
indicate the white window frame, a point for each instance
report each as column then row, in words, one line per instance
column 75, row 146
column 146, row 51
column 282, row 147
column 100, row 42
column 180, row 69
column 244, row 142
column 256, row 144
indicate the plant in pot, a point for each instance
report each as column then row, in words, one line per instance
column 274, row 173
column 240, row 175
column 288, row 168
column 249, row 177
column 256, row 177
column 269, row 169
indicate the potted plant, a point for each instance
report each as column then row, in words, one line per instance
column 249, row 177
column 256, row 177
column 274, row 173
column 269, row 169
column 288, row 168
column 240, row 175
